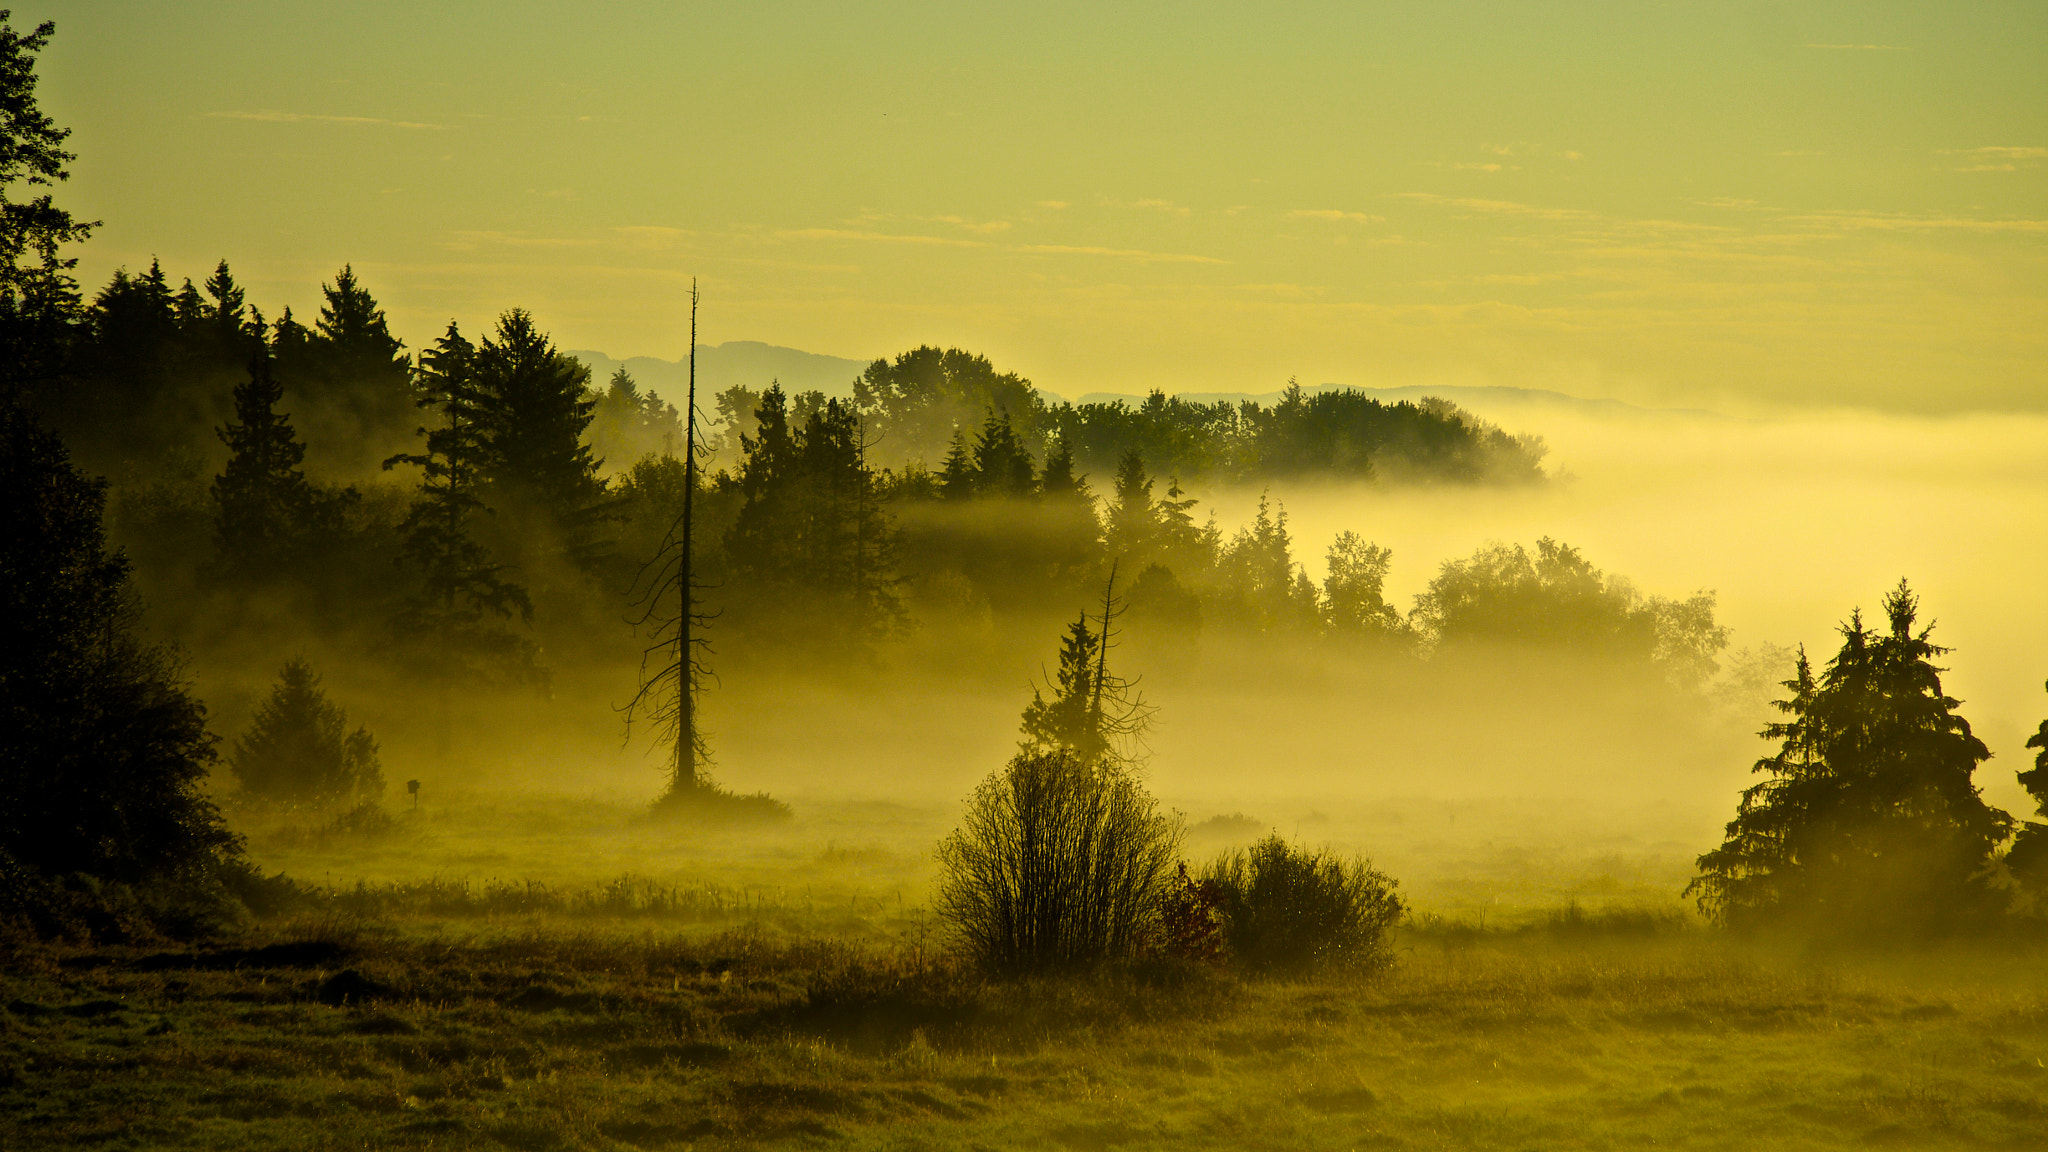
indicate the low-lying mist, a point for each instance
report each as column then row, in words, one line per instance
column 1476, row 776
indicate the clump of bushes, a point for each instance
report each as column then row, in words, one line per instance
column 299, row 748
column 1060, row 864
column 1287, row 910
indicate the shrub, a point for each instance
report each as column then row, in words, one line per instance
column 299, row 748
column 1289, row 910
column 1057, row 865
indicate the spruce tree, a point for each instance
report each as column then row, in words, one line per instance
column 533, row 405
column 299, row 748
column 1002, row 467
column 1132, row 520
column 39, row 298
column 265, row 511
column 957, row 477
column 456, row 616
column 1087, row 711
column 2028, row 859
column 811, row 531
column 1868, row 821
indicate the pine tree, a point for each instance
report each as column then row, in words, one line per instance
column 2028, row 859
column 957, row 478
column 533, row 407
column 1868, row 821
column 1001, row 465
column 811, row 529
column 39, row 299
column 1132, row 521
column 298, row 747
column 265, row 511
column 456, row 616
column 1091, row 713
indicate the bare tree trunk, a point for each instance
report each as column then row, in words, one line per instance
column 686, row 680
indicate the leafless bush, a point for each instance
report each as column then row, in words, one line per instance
column 1058, row 865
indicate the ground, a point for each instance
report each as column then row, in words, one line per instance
column 810, row 1008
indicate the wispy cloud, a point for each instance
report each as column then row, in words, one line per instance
column 876, row 237
column 1858, row 47
column 1125, row 253
column 1153, row 204
column 1902, row 222
column 2003, row 151
column 1335, row 214
column 272, row 117
column 1998, row 158
column 1055, row 205
column 465, row 241
column 1499, row 207
column 983, row 226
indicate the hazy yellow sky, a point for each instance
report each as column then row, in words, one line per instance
column 1730, row 205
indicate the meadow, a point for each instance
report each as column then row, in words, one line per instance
column 491, row 974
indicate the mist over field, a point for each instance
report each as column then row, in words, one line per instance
column 1058, row 577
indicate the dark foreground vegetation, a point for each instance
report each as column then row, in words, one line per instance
column 575, row 1034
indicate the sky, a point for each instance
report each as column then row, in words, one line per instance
column 1749, row 207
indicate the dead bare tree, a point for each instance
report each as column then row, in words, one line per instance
column 671, row 665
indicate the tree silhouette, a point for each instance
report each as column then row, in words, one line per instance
column 1868, row 820
column 102, row 750
column 811, row 530
column 454, row 619
column 298, row 746
column 264, row 508
column 2028, row 858
column 532, row 405
column 1087, row 711
column 38, row 296
column 1354, row 593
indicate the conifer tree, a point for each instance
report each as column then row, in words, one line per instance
column 458, row 612
column 2028, row 859
column 1091, row 713
column 811, row 528
column 957, row 478
column 1868, row 820
column 265, row 511
column 1132, row 520
column 1001, row 465
column 39, row 298
column 299, row 748
column 532, row 409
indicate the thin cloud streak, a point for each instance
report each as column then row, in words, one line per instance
column 273, row 117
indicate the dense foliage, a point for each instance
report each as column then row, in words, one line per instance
column 299, row 747
column 102, row 750
column 1868, row 821
column 1287, row 909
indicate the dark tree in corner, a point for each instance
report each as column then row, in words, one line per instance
column 39, row 299
column 1868, row 822
column 102, row 751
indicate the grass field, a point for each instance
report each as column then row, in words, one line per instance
column 800, row 1002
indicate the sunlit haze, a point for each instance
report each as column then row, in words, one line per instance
column 1731, row 206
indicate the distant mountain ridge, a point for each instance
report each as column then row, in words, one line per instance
column 754, row 364
column 720, row 366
